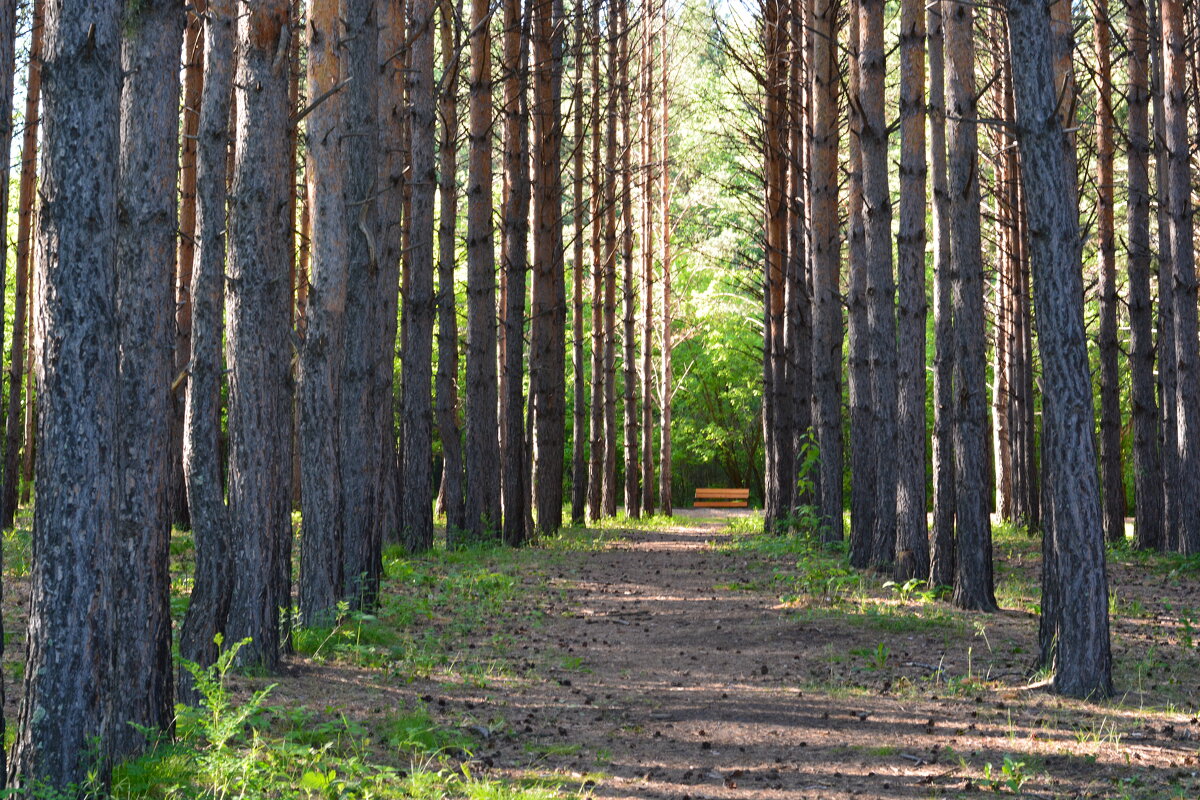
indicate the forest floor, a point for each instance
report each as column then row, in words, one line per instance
column 694, row 658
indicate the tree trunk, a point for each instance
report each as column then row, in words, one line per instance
column 447, row 371
column 633, row 498
column 973, row 577
column 597, row 442
column 827, row 309
column 579, row 429
column 514, row 261
column 322, row 354
column 361, row 444
column 1111, row 474
column 483, row 445
column 193, row 86
column 912, row 537
column 608, row 500
column 1147, row 461
column 1076, row 636
column 8, row 70
column 146, row 230
column 941, row 562
column 666, row 390
column 13, row 423
column 649, row 186
column 67, row 701
column 798, row 330
column 258, row 338
column 1183, row 276
column 549, row 303
column 418, row 300
column 202, row 462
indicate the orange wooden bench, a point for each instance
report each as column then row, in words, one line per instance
column 721, row 498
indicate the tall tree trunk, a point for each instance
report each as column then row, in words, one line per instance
column 549, row 303
column 649, row 187
column 827, row 308
column 514, row 261
column 67, row 701
column 579, row 431
column 597, row 442
column 8, row 69
column 202, row 462
column 1147, row 462
column 361, row 444
column 146, row 230
column 1183, row 262
column 666, row 390
column 13, row 423
column 973, row 585
column 322, row 354
column 610, row 176
column 1112, row 477
column 862, row 454
column 418, row 300
column 941, row 545
column 912, row 542
column 798, row 330
column 259, row 335
column 633, row 498
column 483, row 444
column 1077, row 633
column 447, row 371
column 193, row 86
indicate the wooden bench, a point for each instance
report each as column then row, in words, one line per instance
column 721, row 498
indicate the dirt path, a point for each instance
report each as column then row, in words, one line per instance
column 667, row 668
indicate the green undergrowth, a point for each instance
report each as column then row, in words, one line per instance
column 230, row 748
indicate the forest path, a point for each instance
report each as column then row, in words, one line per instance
column 662, row 663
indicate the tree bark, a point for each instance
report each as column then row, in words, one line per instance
column 941, row 564
column 483, row 445
column 13, row 423
column 67, row 702
column 912, row 538
column 322, row 354
column 258, row 337
column 610, row 177
column 146, row 230
column 649, row 186
column 973, row 585
column 632, row 466
column 1112, row 477
column 202, row 462
column 597, row 441
column 1075, row 637
column 579, row 429
column 549, row 303
column 515, row 263
column 827, row 309
column 1147, row 461
column 8, row 69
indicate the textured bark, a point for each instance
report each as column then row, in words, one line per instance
column 8, row 41
column 858, row 374
column 193, row 86
column 632, row 466
column 597, row 442
column 579, row 427
column 146, row 230
column 649, row 186
column 322, row 353
column 1147, row 462
column 514, row 261
column 259, row 332
column 1183, row 276
column 362, row 452
column 798, row 330
column 666, row 390
column 14, row 423
column 546, row 350
column 973, row 576
column 202, row 462
column 447, row 372
column 941, row 543
column 610, row 177
column 483, row 444
column 1075, row 638
column 418, row 300
column 912, row 542
column 827, row 308
column 1111, row 473
column 67, row 702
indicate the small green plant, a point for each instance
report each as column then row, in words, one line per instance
column 905, row 590
column 881, row 655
